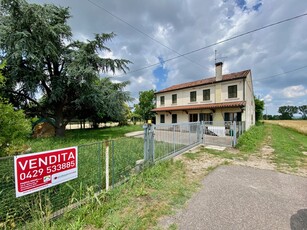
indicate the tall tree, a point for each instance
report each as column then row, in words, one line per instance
column 259, row 108
column 105, row 103
column 146, row 104
column 42, row 58
column 287, row 112
column 303, row 111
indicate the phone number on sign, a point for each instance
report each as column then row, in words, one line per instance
column 50, row 169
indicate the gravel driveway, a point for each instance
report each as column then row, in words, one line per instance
column 238, row 197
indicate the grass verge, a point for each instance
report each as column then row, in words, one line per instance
column 251, row 140
column 290, row 147
column 137, row 204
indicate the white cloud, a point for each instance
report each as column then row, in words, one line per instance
column 268, row 98
column 294, row 91
column 189, row 25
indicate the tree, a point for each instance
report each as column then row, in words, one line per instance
column 303, row 111
column 14, row 127
column 43, row 58
column 146, row 104
column 287, row 112
column 105, row 103
column 259, row 108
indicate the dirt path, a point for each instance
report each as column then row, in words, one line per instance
column 200, row 162
column 262, row 159
column 240, row 197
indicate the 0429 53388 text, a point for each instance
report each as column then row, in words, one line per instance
column 49, row 170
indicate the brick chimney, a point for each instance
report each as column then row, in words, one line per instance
column 218, row 71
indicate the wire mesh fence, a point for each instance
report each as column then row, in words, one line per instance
column 104, row 164
column 54, row 201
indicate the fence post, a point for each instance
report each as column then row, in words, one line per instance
column 145, row 127
column 234, row 136
column 174, row 146
column 151, row 149
column 148, row 143
column 189, row 126
column 201, row 130
column 107, row 165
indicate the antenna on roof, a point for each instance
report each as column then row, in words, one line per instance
column 216, row 57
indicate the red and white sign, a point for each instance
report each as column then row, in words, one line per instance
column 38, row 171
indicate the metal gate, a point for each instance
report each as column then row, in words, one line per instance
column 164, row 141
column 168, row 140
column 224, row 133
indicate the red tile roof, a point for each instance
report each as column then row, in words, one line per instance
column 207, row 81
column 201, row 106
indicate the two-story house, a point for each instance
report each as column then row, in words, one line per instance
column 225, row 97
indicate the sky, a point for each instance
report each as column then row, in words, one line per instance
column 153, row 34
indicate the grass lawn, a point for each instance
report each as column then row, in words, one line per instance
column 80, row 137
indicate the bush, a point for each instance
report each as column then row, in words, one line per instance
column 14, row 128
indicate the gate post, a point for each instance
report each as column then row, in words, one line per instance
column 201, row 132
column 145, row 127
column 234, row 136
column 151, row 146
column 148, row 143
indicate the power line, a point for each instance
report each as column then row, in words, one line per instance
column 145, row 34
column 275, row 75
column 220, row 42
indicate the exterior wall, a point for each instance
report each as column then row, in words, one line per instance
column 218, row 94
column 224, row 91
column 183, row 117
column 250, row 102
column 183, row 96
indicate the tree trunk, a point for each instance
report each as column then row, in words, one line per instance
column 60, row 131
column 59, row 122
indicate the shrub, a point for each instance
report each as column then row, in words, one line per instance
column 14, row 128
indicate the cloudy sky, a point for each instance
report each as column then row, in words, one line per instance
column 151, row 32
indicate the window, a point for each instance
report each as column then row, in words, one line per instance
column 232, row 117
column 232, row 91
column 205, row 117
column 193, row 117
column 193, row 96
column 206, row 95
column 174, row 118
column 162, row 118
column 162, row 100
column 174, row 99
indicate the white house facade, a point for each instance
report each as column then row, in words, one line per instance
column 225, row 97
